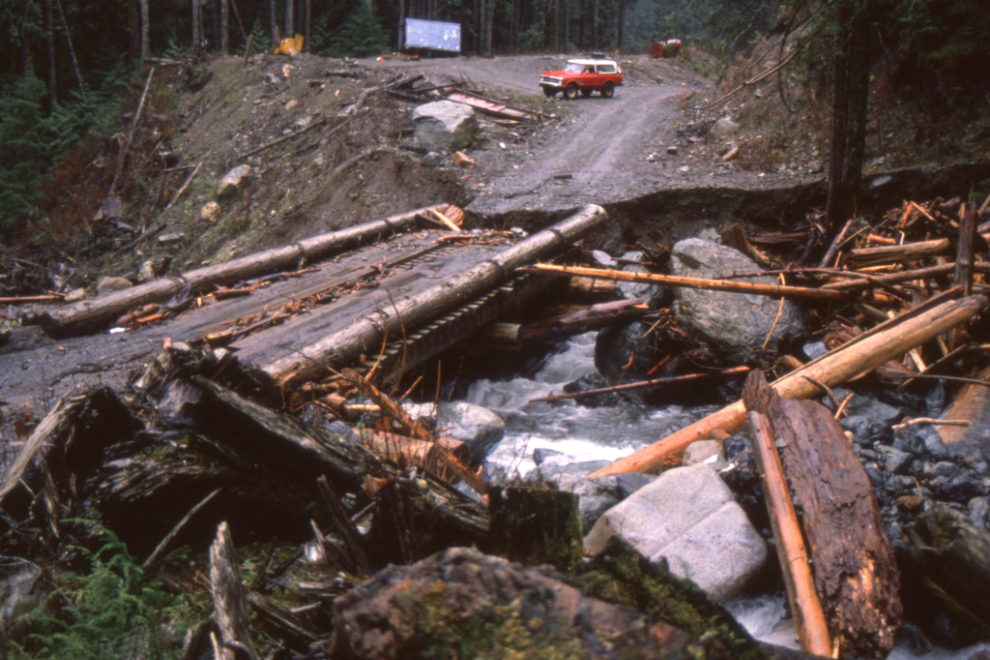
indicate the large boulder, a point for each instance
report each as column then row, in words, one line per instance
column 596, row 495
column 461, row 603
column 734, row 321
column 444, row 125
column 688, row 519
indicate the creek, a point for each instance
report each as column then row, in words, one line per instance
column 566, row 440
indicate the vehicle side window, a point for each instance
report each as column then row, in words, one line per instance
column 606, row 68
column 589, row 69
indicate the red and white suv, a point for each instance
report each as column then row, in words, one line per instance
column 584, row 76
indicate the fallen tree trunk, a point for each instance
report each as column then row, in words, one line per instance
column 594, row 317
column 90, row 314
column 335, row 351
column 889, row 254
column 809, row 619
column 776, row 290
column 854, row 567
column 865, row 353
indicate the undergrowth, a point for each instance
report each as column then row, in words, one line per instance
column 116, row 610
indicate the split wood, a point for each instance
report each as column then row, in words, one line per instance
column 695, row 282
column 858, row 356
column 734, row 371
column 228, row 601
column 809, row 618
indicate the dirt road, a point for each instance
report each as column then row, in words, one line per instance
column 599, row 151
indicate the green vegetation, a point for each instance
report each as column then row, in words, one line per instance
column 114, row 611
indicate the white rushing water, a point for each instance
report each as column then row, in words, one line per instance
column 767, row 619
column 577, row 434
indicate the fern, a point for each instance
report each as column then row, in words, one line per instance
column 115, row 611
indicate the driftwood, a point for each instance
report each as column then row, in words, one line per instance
column 89, row 314
column 336, row 350
column 779, row 291
column 264, row 435
column 733, row 371
column 225, row 580
column 964, row 256
column 854, row 567
column 594, row 317
column 812, row 630
column 949, row 558
column 902, row 276
column 865, row 353
column 888, row 254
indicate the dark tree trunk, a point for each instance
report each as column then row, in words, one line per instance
column 619, row 29
column 224, row 27
column 273, row 23
column 309, row 20
column 489, row 22
column 50, row 42
column 556, row 25
column 289, row 19
column 72, row 51
column 134, row 29
column 850, row 88
column 594, row 24
column 26, row 58
column 145, row 35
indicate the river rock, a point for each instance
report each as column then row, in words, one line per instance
column 486, row 607
column 107, row 285
column 444, row 125
column 233, row 181
column 704, row 451
column 478, row 428
column 734, row 321
column 599, row 494
column 687, row 517
column 616, row 345
column 20, row 594
column 723, row 128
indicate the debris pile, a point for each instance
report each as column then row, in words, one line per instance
column 353, row 511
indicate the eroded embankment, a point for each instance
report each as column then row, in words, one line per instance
column 670, row 215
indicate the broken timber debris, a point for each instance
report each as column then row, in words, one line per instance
column 854, row 567
column 859, row 356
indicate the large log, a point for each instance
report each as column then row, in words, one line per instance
column 809, row 619
column 367, row 334
column 87, row 315
column 863, row 354
column 854, row 566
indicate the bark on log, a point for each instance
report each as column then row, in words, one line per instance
column 862, row 355
column 889, row 254
column 225, row 579
column 951, row 557
column 89, row 314
column 903, row 276
column 809, row 618
column 779, row 291
column 855, row 569
column 593, row 317
column 333, row 352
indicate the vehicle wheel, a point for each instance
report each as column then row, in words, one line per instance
column 571, row 92
column 586, row 92
column 608, row 90
column 549, row 93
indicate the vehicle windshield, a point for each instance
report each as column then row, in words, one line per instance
column 574, row 67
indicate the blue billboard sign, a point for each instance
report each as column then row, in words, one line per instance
column 433, row 35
